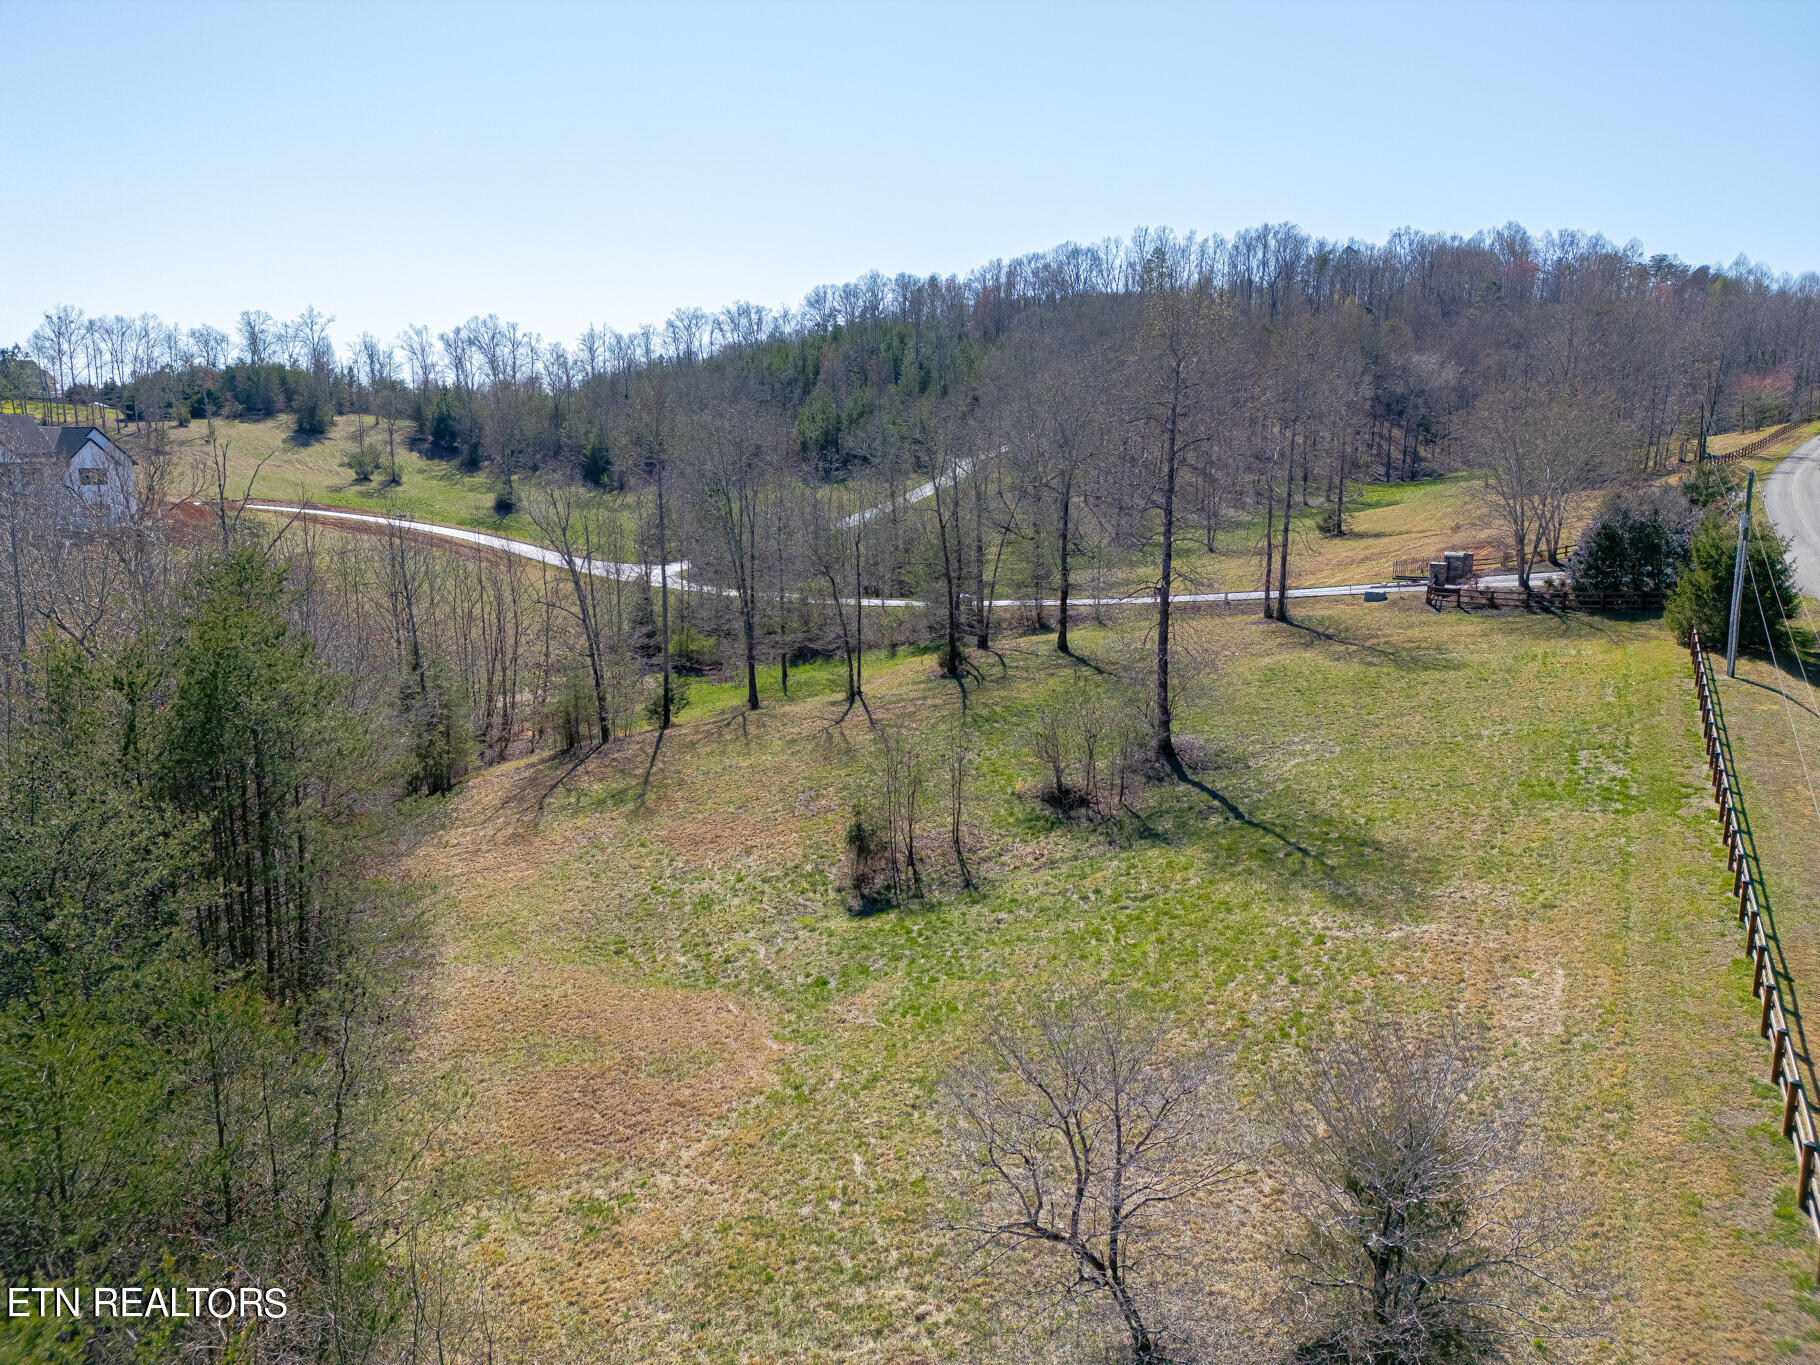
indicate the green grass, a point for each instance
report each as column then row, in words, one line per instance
column 1500, row 815
column 1732, row 440
column 271, row 460
column 1782, row 449
column 1384, row 523
column 72, row 413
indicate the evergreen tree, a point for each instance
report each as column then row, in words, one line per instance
column 1702, row 597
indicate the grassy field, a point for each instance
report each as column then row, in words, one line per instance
column 297, row 469
column 60, row 412
column 1732, row 440
column 702, row 1088
column 1773, row 716
column 1384, row 523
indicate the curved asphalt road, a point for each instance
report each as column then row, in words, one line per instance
column 678, row 573
column 1791, row 497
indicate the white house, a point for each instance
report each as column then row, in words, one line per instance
column 79, row 461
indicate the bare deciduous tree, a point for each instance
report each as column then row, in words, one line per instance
column 1434, row 1228
column 1079, row 1137
column 1173, row 372
column 1543, row 454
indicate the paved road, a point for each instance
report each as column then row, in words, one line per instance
column 678, row 573
column 1791, row 497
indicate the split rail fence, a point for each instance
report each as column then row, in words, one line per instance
column 1756, row 447
column 1784, row 1070
column 1467, row 597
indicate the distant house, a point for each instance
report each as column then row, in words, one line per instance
column 75, row 463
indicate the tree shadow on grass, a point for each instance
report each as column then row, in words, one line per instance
column 1786, row 692
column 1429, row 659
column 1191, row 806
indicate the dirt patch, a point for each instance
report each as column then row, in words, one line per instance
column 583, row 1069
column 713, row 838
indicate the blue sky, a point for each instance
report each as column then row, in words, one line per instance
column 568, row 164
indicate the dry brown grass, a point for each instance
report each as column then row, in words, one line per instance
column 1732, row 440
column 594, row 1070
column 1512, row 809
column 1391, row 522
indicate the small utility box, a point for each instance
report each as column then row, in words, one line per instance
column 1437, row 573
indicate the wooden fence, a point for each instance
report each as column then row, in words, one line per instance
column 1784, row 1071
column 1758, row 446
column 1485, row 559
column 1467, row 597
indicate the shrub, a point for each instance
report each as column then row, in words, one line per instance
column 362, row 461
column 444, row 747
column 691, row 651
column 445, row 435
column 312, row 411
column 572, row 710
column 597, row 461
column 1635, row 544
column 1434, row 1228
column 1702, row 596
column 871, row 864
column 1710, row 483
column 679, row 698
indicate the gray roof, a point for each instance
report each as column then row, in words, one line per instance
column 23, row 437
column 72, row 439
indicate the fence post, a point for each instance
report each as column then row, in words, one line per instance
column 1798, row 1124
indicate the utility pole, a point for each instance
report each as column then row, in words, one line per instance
column 1731, row 636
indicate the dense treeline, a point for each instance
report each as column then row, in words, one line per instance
column 1683, row 351
column 203, row 995
column 1088, row 417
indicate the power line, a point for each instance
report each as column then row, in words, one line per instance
column 1787, row 710
column 1776, row 591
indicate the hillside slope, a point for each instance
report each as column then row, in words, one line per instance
column 702, row 1087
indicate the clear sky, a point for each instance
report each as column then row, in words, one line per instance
column 568, row 164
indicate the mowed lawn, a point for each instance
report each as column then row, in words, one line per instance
column 269, row 460
column 1733, row 440
column 1384, row 523
column 702, row 1124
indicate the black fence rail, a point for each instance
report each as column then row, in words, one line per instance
column 1467, row 597
column 1758, row 446
column 1773, row 1023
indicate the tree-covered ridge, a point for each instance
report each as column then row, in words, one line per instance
column 1679, row 351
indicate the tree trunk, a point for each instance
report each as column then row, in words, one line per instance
column 982, row 623
column 1288, row 500
column 663, row 596
column 748, row 605
column 1162, row 742
column 1270, row 543
column 783, row 643
column 1061, row 627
